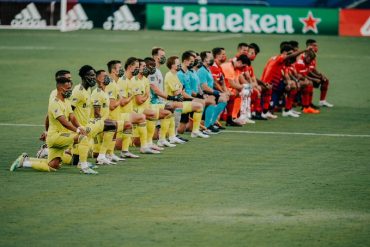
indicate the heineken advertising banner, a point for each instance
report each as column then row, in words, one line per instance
column 238, row 19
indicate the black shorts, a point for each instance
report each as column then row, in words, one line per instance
column 185, row 117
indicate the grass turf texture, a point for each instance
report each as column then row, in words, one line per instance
column 241, row 189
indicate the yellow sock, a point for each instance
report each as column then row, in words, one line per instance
column 106, row 142
column 97, row 142
column 165, row 124
column 197, row 117
column 171, row 129
column 142, row 134
column 126, row 141
column 150, row 127
column 83, row 148
column 39, row 164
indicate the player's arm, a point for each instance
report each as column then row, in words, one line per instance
column 141, row 98
column 294, row 54
column 74, row 120
column 69, row 125
column 235, row 84
column 113, row 104
column 158, row 92
column 124, row 101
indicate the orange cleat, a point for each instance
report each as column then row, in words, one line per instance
column 310, row 110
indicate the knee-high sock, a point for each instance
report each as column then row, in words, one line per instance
column 150, row 128
column 143, row 134
column 290, row 99
column 83, row 148
column 165, row 124
column 126, row 141
column 219, row 109
column 266, row 98
column 38, row 164
column 324, row 89
column 209, row 115
column 236, row 107
column 177, row 115
column 245, row 104
column 172, row 128
column 197, row 117
column 106, row 142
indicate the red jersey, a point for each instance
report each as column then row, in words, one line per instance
column 272, row 73
column 217, row 73
column 301, row 67
column 312, row 65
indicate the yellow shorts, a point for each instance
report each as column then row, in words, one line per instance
column 187, row 107
column 157, row 108
column 58, row 142
column 94, row 127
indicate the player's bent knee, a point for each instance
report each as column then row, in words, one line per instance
column 55, row 163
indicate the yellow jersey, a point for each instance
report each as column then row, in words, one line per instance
column 81, row 100
column 172, row 83
column 141, row 87
column 125, row 86
column 56, row 109
column 113, row 93
column 99, row 98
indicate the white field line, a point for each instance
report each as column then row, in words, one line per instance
column 230, row 131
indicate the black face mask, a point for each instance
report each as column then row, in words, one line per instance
column 211, row 62
column 121, row 72
column 162, row 60
column 178, row 67
column 199, row 65
column 152, row 70
column 135, row 72
column 190, row 66
column 106, row 80
column 67, row 94
column 90, row 81
column 145, row 71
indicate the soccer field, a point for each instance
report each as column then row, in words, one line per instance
column 285, row 182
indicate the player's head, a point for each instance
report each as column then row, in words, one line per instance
column 173, row 63
column 197, row 59
column 63, row 73
column 207, row 58
column 283, row 43
column 88, row 76
column 219, row 54
column 143, row 70
column 253, row 50
column 115, row 68
column 132, row 66
column 159, row 55
column 102, row 79
column 285, row 49
column 291, row 60
column 309, row 56
column 311, row 43
column 242, row 48
column 63, row 85
column 150, row 64
column 187, row 59
column 242, row 61
column 294, row 44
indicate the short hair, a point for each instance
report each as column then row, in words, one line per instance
column 98, row 72
column 310, row 42
column 141, row 60
column 240, row 45
column 310, row 53
column 61, row 73
column 294, row 43
column 171, row 61
column 149, row 61
column 130, row 61
column 255, row 47
column 216, row 51
column 111, row 64
column 155, row 50
column 284, row 43
column 84, row 69
column 286, row 48
column 244, row 59
column 203, row 55
column 186, row 55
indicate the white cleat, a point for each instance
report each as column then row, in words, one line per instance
column 239, row 121
column 155, row 147
column 104, row 161
column 175, row 140
column 268, row 115
column 165, row 143
column 296, row 112
column 324, row 103
column 43, row 152
column 88, row 171
column 248, row 121
column 289, row 114
column 198, row 134
column 148, row 150
column 114, row 158
column 127, row 154
column 18, row 163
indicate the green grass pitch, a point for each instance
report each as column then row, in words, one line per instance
column 236, row 189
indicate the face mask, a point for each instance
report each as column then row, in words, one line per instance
column 199, row 65
column 145, row 71
column 135, row 72
column 162, row 60
column 106, row 80
column 191, row 65
column 195, row 62
column 67, row 93
column 121, row 72
column 178, row 67
column 252, row 57
column 90, row 81
column 152, row 70
column 211, row 62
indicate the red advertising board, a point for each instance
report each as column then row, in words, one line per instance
column 354, row 22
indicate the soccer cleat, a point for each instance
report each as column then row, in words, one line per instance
column 248, row 121
column 214, row 129
column 219, row 126
column 148, row 150
column 258, row 116
column 155, row 147
column 175, row 140
column 324, row 103
column 182, row 138
column 296, row 112
column 232, row 123
column 310, row 110
column 114, row 158
column 198, row 134
column 127, row 154
column 43, row 152
column 207, row 132
column 289, row 114
column 18, row 163
column 315, row 107
column 104, row 161
column 239, row 121
column 88, row 171
column 268, row 115
column 165, row 143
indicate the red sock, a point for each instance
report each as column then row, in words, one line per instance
column 290, row 99
column 266, row 97
column 324, row 89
